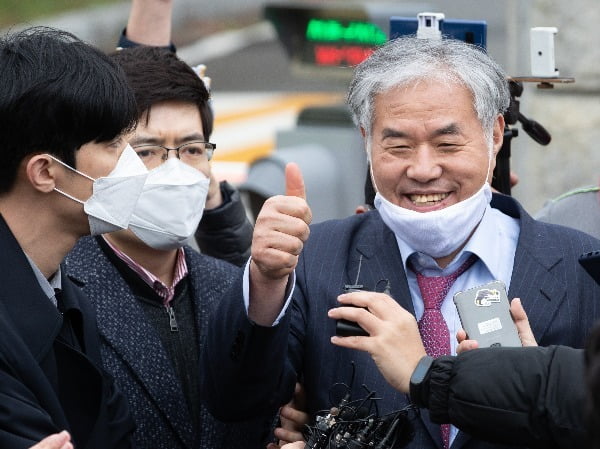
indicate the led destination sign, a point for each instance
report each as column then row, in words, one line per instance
column 325, row 37
column 363, row 33
column 335, row 43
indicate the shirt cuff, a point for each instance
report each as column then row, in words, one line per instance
column 289, row 289
column 125, row 42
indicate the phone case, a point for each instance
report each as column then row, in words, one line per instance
column 485, row 315
column 591, row 262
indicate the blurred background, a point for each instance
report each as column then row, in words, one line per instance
column 272, row 106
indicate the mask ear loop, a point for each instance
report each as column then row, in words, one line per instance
column 69, row 196
column 490, row 144
column 71, row 168
column 370, row 161
column 76, row 171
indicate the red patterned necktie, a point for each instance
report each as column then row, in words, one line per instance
column 432, row 326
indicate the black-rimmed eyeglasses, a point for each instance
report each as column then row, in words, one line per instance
column 190, row 152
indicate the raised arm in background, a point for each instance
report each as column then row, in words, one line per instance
column 150, row 22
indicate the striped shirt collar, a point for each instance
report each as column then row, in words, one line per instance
column 165, row 292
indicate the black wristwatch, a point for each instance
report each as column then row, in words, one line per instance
column 416, row 390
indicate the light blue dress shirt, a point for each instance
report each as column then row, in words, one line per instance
column 494, row 242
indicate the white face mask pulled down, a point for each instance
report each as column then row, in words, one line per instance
column 115, row 196
column 439, row 232
column 170, row 206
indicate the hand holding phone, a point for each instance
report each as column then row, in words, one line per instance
column 484, row 312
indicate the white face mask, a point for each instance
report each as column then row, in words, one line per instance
column 439, row 232
column 171, row 205
column 114, row 196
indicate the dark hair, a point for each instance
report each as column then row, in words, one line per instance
column 156, row 75
column 57, row 93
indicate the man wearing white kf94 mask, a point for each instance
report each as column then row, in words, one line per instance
column 65, row 110
column 114, row 197
column 430, row 112
column 152, row 294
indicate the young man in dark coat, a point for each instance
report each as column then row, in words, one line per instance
column 65, row 109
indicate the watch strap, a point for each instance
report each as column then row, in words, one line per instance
column 418, row 382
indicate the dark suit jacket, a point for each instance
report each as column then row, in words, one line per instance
column 46, row 386
column 134, row 354
column 561, row 299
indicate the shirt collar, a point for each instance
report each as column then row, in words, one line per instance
column 48, row 286
column 479, row 244
column 167, row 293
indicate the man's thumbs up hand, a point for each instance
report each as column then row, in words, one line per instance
column 280, row 231
column 281, row 228
column 294, row 183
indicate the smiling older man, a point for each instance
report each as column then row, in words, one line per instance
column 431, row 116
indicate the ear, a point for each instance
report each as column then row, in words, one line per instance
column 363, row 132
column 498, row 134
column 41, row 171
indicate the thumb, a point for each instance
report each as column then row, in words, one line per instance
column 294, row 183
column 522, row 322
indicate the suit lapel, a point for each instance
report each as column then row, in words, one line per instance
column 376, row 260
column 125, row 328
column 381, row 262
column 535, row 259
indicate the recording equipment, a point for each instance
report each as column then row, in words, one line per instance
column 501, row 179
column 346, row 328
column 356, row 424
column 541, row 51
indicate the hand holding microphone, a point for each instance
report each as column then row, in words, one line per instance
column 393, row 337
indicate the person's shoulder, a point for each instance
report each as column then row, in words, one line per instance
column 209, row 276
column 578, row 209
column 198, row 262
column 534, row 229
column 83, row 253
column 561, row 236
column 580, row 192
column 573, row 199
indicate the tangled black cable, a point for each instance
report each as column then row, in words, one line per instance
column 356, row 424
